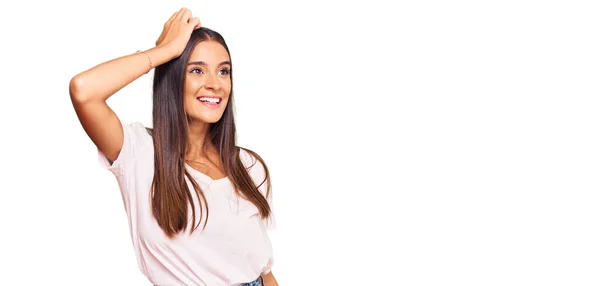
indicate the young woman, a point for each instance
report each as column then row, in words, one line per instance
column 199, row 206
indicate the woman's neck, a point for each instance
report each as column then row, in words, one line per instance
column 197, row 132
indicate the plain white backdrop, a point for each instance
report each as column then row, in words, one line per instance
column 428, row 143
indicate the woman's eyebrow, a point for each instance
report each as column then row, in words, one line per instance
column 201, row 63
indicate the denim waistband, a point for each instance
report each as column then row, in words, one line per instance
column 258, row 282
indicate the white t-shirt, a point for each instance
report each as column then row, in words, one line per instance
column 234, row 247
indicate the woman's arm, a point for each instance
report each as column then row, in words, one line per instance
column 90, row 89
column 103, row 80
column 269, row 279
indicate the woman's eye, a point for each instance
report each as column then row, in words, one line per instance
column 196, row 70
column 225, row 72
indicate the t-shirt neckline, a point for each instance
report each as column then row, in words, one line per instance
column 205, row 178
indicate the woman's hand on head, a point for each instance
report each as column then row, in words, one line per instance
column 177, row 31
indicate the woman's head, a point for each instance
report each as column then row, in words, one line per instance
column 207, row 77
column 179, row 90
column 198, row 78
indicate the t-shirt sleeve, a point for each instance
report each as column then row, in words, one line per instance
column 135, row 137
column 270, row 221
column 257, row 172
column 132, row 139
column 270, row 224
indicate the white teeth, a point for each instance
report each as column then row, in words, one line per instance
column 209, row 99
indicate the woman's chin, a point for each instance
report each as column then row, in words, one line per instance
column 206, row 118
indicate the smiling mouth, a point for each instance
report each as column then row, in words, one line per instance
column 211, row 101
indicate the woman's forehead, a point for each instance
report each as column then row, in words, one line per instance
column 209, row 52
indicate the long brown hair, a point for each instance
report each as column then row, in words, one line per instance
column 170, row 193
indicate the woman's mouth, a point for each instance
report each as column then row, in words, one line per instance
column 210, row 101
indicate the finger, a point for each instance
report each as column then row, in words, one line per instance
column 195, row 22
column 178, row 14
column 187, row 16
column 172, row 17
column 182, row 14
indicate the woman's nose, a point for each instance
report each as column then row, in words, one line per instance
column 211, row 82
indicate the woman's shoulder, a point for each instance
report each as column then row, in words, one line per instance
column 248, row 157
column 137, row 130
column 137, row 145
column 252, row 161
column 137, row 137
column 139, row 127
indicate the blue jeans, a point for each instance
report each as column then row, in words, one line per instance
column 258, row 282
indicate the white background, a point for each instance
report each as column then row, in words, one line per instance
column 434, row 143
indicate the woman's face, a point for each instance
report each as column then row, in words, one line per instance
column 207, row 82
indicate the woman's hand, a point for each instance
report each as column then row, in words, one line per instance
column 177, row 31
